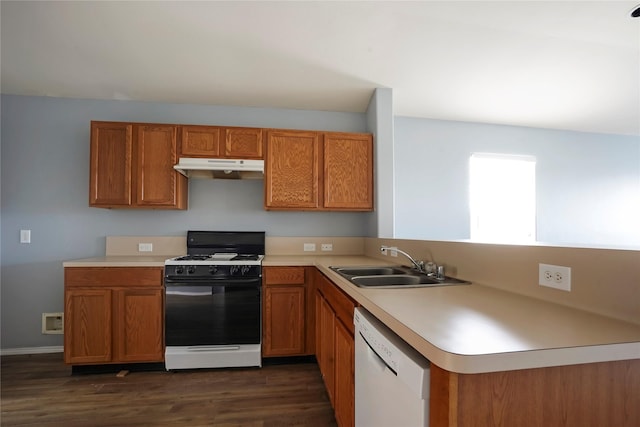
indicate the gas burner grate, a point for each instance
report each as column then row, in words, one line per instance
column 245, row 257
column 193, row 258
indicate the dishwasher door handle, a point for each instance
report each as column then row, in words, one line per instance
column 379, row 360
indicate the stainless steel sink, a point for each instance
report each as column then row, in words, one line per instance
column 369, row 271
column 392, row 277
column 392, row 280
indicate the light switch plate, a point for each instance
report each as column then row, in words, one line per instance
column 25, row 236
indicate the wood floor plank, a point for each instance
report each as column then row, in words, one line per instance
column 40, row 390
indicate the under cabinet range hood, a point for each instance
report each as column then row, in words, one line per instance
column 220, row 168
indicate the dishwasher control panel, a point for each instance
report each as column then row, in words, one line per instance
column 406, row 363
column 371, row 334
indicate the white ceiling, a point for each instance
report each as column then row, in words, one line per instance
column 562, row 64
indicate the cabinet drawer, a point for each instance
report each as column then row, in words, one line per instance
column 283, row 275
column 113, row 276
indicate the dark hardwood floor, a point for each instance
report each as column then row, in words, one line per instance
column 40, row 390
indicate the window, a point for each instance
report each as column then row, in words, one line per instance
column 502, row 198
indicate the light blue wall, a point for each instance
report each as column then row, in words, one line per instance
column 588, row 185
column 45, row 187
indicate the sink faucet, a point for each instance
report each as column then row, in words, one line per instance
column 419, row 265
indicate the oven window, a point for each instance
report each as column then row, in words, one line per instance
column 212, row 315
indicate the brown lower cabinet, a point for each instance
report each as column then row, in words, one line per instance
column 113, row 315
column 335, row 347
column 288, row 311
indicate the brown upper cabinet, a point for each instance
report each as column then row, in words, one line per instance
column 292, row 171
column 307, row 170
column 132, row 167
column 348, row 171
column 221, row 142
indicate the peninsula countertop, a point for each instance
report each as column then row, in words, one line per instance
column 475, row 328
column 465, row 328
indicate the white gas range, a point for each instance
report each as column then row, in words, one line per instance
column 213, row 301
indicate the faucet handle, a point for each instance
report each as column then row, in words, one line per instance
column 431, row 267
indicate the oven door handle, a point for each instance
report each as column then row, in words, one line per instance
column 189, row 292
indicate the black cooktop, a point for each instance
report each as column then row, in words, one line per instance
column 205, row 257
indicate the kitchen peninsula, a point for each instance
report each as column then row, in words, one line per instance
column 492, row 365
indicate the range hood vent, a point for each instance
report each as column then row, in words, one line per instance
column 220, row 168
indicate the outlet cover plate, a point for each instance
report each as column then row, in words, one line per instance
column 326, row 247
column 145, row 247
column 554, row 276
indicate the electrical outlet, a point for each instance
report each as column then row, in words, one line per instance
column 326, row 247
column 384, row 251
column 393, row 251
column 554, row 276
column 309, row 247
column 145, row 247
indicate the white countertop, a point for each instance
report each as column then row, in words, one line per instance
column 466, row 328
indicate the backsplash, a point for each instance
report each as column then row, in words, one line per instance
column 316, row 245
column 603, row 281
column 151, row 246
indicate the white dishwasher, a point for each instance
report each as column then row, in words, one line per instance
column 392, row 378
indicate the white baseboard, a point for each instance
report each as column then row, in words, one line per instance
column 31, row 350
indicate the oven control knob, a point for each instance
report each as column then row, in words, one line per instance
column 179, row 269
column 213, row 269
column 234, row 269
column 245, row 269
column 191, row 269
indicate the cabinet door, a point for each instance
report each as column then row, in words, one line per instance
column 87, row 324
column 158, row 184
column 292, row 170
column 345, row 377
column 325, row 333
column 110, row 165
column 284, row 320
column 348, row 171
column 139, row 325
column 243, row 143
column 200, row 141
